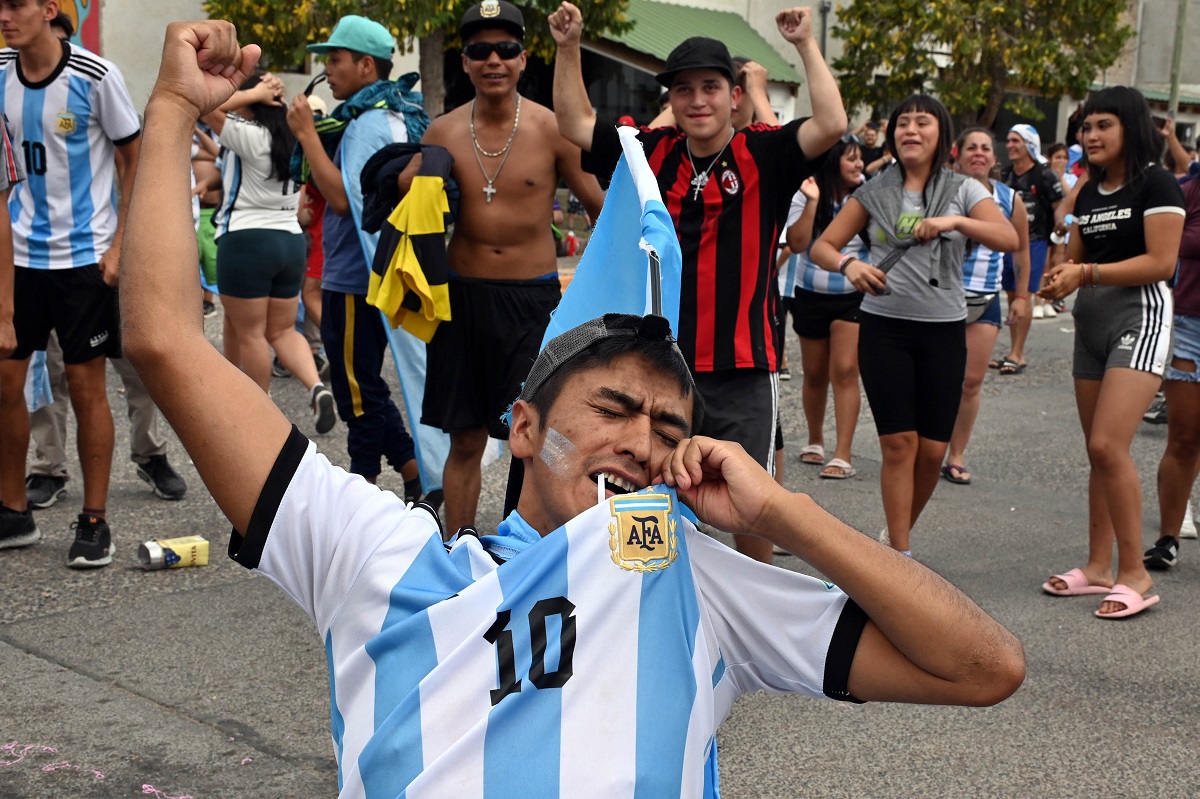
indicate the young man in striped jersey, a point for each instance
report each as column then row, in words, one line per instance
column 728, row 193
column 68, row 110
column 593, row 644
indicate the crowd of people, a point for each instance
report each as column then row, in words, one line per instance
column 890, row 247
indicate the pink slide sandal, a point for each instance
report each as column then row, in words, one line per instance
column 1134, row 602
column 1077, row 585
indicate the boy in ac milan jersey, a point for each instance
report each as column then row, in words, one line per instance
column 728, row 193
column 592, row 644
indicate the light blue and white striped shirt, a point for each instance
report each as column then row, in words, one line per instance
column 981, row 266
column 65, row 213
column 802, row 273
column 597, row 661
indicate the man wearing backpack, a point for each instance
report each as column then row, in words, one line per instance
column 375, row 112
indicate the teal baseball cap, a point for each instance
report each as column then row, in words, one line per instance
column 359, row 34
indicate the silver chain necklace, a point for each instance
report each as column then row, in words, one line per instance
column 700, row 180
column 490, row 188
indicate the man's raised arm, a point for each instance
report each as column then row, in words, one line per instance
column 828, row 121
column 230, row 427
column 572, row 108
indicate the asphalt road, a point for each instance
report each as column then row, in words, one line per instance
column 208, row 682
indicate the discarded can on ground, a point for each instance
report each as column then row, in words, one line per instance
column 174, row 553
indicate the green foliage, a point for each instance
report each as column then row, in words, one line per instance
column 970, row 52
column 283, row 29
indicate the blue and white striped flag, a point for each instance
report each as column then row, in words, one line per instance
column 614, row 273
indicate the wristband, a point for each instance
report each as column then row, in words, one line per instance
column 842, row 264
column 1095, row 275
column 1021, row 297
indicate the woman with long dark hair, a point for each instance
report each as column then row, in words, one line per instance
column 1122, row 250
column 260, row 248
column 825, row 309
column 912, row 342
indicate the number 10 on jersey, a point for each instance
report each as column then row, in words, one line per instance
column 500, row 634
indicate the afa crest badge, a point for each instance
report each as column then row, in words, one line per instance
column 642, row 533
column 489, row 9
column 66, row 124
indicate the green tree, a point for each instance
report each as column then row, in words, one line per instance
column 283, row 29
column 970, row 53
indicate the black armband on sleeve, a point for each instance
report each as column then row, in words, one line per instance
column 247, row 549
column 842, row 647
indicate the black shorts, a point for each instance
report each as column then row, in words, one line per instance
column 477, row 362
column 912, row 373
column 261, row 263
column 76, row 303
column 813, row 313
column 742, row 405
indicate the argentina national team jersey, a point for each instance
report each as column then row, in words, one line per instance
column 981, row 265
column 597, row 661
column 64, row 127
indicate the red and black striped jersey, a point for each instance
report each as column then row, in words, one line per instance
column 727, row 232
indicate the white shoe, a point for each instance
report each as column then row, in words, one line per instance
column 1188, row 528
column 1048, row 311
column 1038, row 313
column 884, row 538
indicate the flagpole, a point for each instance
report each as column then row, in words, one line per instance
column 655, row 284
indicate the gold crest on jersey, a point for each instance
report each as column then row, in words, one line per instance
column 642, row 533
column 66, row 124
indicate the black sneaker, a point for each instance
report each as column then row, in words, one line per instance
column 324, row 414
column 43, row 490
column 1157, row 412
column 165, row 481
column 210, row 309
column 1163, row 555
column 279, row 370
column 17, row 528
column 93, row 543
column 322, row 366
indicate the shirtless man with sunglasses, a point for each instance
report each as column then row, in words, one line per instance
column 508, row 158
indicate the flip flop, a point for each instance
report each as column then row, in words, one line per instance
column 1134, row 602
column 837, row 463
column 996, row 363
column 954, row 472
column 812, row 454
column 1010, row 367
column 1077, row 585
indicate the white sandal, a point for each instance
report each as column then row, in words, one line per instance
column 848, row 471
column 813, row 449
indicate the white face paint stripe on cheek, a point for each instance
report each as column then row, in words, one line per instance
column 557, row 450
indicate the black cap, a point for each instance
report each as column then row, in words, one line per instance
column 498, row 14
column 571, row 343
column 698, row 52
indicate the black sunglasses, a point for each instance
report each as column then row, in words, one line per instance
column 479, row 51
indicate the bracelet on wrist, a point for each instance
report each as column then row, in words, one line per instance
column 843, row 263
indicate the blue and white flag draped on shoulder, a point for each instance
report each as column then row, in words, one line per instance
column 614, row 273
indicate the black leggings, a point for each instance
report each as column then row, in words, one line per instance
column 913, row 373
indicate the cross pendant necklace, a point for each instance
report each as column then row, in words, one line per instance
column 490, row 188
column 700, row 179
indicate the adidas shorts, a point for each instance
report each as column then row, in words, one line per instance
column 1122, row 327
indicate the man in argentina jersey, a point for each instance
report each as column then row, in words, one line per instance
column 68, row 109
column 593, row 643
